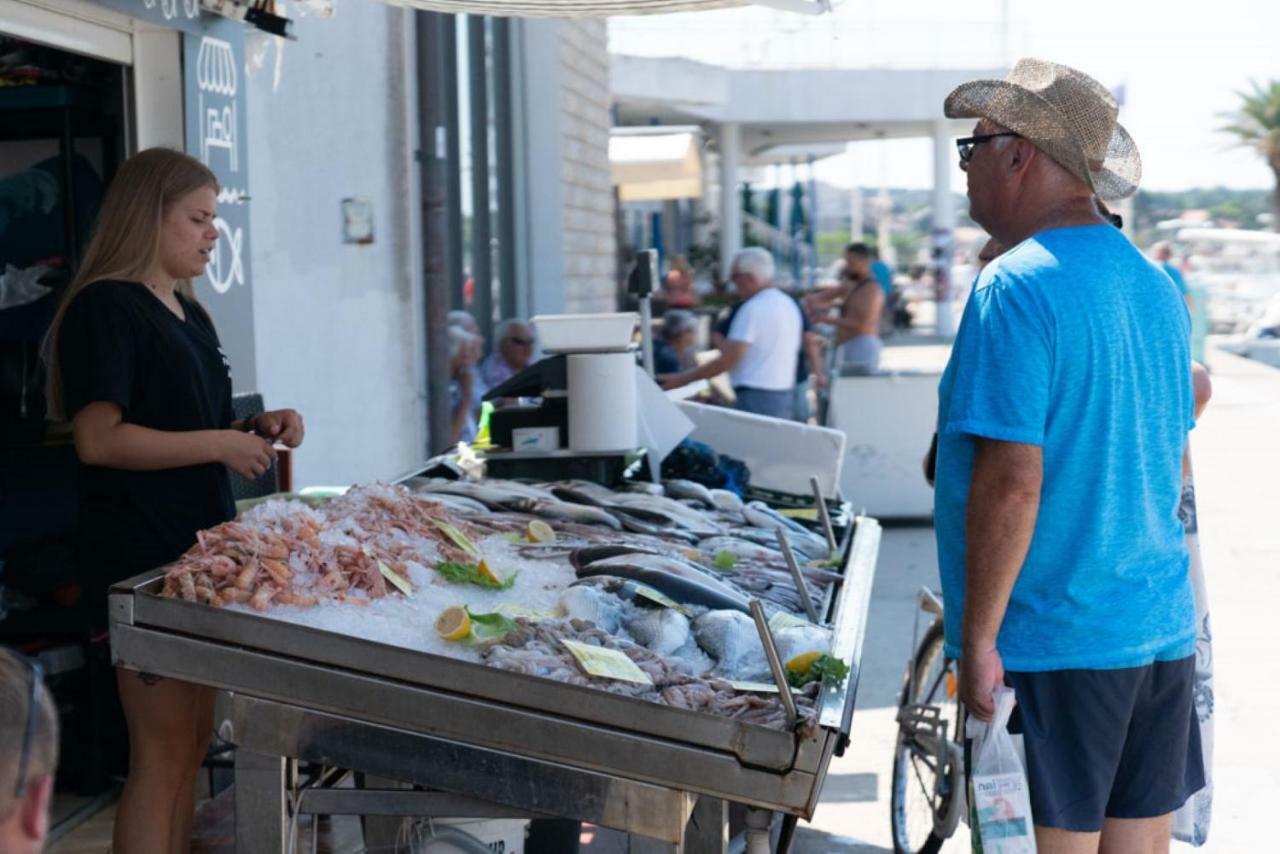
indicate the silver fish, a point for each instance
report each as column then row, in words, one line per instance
column 723, row 499
column 660, row 629
column 731, row 638
column 593, row 603
column 553, row 508
column 690, row 490
column 643, row 488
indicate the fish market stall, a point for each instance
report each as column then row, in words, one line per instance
column 638, row 657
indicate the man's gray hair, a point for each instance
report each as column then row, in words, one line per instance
column 459, row 338
column 505, row 327
column 754, row 262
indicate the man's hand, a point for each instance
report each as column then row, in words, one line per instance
column 819, row 380
column 670, row 381
column 981, row 673
column 281, row 425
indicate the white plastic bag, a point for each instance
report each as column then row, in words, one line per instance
column 1000, row 802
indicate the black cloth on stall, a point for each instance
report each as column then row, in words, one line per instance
column 119, row 343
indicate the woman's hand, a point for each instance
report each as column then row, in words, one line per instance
column 281, row 425
column 244, row 453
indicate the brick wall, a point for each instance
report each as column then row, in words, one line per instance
column 589, row 260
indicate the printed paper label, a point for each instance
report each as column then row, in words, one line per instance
column 665, row 601
column 606, row 663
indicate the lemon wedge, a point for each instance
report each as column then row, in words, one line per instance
column 540, row 532
column 485, row 571
column 454, row 623
column 801, row 663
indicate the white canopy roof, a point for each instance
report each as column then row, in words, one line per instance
column 655, row 166
column 602, row 8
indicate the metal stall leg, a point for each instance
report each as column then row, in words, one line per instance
column 708, row 828
column 261, row 820
column 382, row 832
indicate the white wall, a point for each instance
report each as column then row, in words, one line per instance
column 339, row 326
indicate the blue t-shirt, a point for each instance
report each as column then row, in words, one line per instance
column 880, row 270
column 1073, row 341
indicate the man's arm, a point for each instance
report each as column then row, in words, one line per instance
column 731, row 352
column 813, row 351
column 1004, row 500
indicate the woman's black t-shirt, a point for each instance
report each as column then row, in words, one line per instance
column 119, row 343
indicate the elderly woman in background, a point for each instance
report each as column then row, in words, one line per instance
column 512, row 352
column 464, row 353
column 673, row 349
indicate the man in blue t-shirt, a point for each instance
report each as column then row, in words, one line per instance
column 1063, row 414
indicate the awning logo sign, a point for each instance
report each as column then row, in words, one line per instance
column 169, row 8
column 226, row 263
column 216, row 67
column 216, row 77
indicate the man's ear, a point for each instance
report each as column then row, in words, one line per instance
column 34, row 810
column 1018, row 155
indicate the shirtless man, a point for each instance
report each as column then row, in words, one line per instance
column 861, row 302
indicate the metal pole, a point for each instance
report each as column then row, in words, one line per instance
column 823, row 515
column 505, row 165
column 802, row 586
column 481, row 234
column 433, row 173
column 447, row 87
column 775, row 663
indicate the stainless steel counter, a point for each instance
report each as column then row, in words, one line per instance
column 342, row 700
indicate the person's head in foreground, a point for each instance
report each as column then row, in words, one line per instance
column 28, row 754
column 1046, row 141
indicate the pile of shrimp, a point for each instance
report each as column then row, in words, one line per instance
column 287, row 553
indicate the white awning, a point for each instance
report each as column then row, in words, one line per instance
column 655, row 166
column 602, row 8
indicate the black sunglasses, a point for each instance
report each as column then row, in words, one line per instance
column 523, row 342
column 966, row 145
column 37, row 676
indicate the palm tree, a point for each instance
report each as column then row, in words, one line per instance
column 1257, row 125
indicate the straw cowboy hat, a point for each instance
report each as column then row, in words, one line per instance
column 1063, row 112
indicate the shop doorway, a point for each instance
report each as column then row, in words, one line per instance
column 64, row 130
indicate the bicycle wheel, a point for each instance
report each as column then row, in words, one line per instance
column 927, row 769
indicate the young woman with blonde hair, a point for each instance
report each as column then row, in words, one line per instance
column 136, row 366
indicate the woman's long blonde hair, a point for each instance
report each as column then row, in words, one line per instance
column 126, row 239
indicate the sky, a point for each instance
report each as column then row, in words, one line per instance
column 1181, row 65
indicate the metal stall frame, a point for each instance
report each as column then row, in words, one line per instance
column 522, row 743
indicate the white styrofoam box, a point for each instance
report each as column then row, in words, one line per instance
column 887, row 420
column 585, row 333
column 499, row 835
column 782, row 455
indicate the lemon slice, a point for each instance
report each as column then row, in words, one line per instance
column 454, row 623
column 540, row 532
column 485, row 571
column 801, row 663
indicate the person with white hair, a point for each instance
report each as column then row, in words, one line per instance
column 464, row 354
column 28, row 754
column 513, row 347
column 763, row 345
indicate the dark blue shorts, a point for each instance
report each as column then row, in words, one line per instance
column 1108, row 743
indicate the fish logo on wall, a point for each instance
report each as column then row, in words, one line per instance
column 227, row 269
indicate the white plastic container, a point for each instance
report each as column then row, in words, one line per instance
column 585, row 333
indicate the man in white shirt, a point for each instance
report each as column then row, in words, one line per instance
column 763, row 343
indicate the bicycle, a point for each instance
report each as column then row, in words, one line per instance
column 928, row 763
